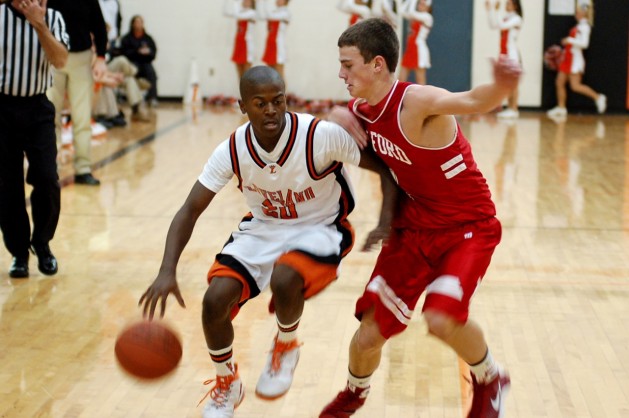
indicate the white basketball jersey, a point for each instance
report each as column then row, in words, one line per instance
column 302, row 181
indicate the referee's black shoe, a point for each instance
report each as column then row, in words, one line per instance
column 87, row 179
column 19, row 268
column 47, row 263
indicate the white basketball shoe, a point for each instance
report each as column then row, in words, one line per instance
column 277, row 376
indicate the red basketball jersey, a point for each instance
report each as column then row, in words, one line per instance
column 444, row 186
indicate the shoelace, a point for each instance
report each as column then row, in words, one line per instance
column 220, row 391
column 279, row 350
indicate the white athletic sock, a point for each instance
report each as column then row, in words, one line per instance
column 223, row 361
column 358, row 382
column 486, row 370
column 287, row 333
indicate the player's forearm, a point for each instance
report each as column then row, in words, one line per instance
column 390, row 193
column 487, row 96
column 178, row 236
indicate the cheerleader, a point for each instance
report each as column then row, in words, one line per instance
column 277, row 23
column 572, row 66
column 357, row 9
column 245, row 14
column 509, row 26
column 416, row 55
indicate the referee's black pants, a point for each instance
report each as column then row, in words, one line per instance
column 27, row 127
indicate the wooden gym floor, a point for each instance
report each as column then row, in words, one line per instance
column 554, row 304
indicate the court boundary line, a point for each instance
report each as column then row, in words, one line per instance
column 68, row 180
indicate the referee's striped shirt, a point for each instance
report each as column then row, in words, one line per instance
column 24, row 69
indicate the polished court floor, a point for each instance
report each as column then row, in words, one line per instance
column 554, row 304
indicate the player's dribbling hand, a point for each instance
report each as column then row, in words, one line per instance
column 342, row 116
column 158, row 292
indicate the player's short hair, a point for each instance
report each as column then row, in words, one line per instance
column 373, row 37
column 256, row 76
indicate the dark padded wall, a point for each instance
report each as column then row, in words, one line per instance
column 450, row 44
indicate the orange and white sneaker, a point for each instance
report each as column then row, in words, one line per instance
column 277, row 376
column 488, row 399
column 225, row 396
column 346, row 403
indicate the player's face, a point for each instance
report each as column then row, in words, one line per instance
column 509, row 7
column 357, row 74
column 266, row 108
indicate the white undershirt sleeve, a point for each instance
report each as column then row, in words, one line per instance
column 333, row 143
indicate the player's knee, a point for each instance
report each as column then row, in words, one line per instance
column 575, row 85
column 286, row 283
column 439, row 324
column 218, row 302
column 368, row 337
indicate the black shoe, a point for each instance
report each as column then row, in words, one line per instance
column 47, row 263
column 118, row 120
column 19, row 268
column 87, row 179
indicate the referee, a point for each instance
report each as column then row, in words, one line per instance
column 32, row 38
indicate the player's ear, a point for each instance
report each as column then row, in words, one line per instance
column 241, row 104
column 379, row 64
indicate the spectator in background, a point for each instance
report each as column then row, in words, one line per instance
column 357, row 9
column 416, row 55
column 245, row 14
column 84, row 20
column 120, row 74
column 572, row 66
column 509, row 27
column 275, row 50
column 27, row 127
column 139, row 47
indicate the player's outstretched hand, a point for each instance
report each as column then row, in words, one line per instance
column 379, row 235
column 507, row 72
column 158, row 293
column 342, row 116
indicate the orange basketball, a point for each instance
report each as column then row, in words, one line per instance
column 148, row 349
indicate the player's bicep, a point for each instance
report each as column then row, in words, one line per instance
column 198, row 200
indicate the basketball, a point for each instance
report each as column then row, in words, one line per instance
column 148, row 349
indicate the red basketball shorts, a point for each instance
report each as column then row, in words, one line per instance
column 447, row 264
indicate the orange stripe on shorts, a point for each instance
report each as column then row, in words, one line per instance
column 317, row 276
column 219, row 270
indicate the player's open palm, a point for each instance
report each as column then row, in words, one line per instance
column 158, row 292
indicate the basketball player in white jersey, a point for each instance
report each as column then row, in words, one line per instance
column 290, row 170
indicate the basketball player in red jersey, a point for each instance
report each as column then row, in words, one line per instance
column 275, row 49
column 289, row 168
column 445, row 230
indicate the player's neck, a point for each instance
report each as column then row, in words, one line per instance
column 380, row 89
